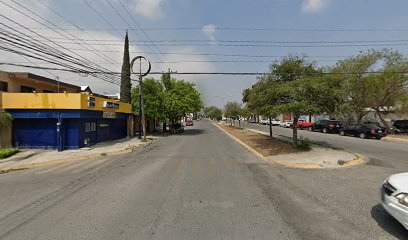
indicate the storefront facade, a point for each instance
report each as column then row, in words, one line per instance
column 65, row 120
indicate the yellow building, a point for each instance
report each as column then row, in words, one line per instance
column 44, row 118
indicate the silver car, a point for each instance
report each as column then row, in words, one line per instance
column 394, row 197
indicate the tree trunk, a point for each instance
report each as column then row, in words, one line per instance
column 270, row 127
column 385, row 123
column 310, row 117
column 295, row 121
column 164, row 127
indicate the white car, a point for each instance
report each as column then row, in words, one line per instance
column 394, row 197
column 264, row 121
column 276, row 122
column 286, row 124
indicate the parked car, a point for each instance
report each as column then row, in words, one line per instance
column 178, row 127
column 383, row 129
column 363, row 131
column 303, row 124
column 264, row 121
column 401, row 126
column 189, row 122
column 275, row 122
column 326, row 126
column 394, row 197
column 286, row 124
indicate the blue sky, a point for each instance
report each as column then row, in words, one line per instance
column 212, row 22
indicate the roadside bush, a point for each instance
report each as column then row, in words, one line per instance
column 5, row 153
column 305, row 144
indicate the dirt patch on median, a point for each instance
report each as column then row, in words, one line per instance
column 262, row 144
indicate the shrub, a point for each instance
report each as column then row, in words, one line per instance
column 341, row 162
column 305, row 144
column 5, row 153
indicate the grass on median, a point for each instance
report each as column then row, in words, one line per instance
column 8, row 152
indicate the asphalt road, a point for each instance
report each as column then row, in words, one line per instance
column 196, row 185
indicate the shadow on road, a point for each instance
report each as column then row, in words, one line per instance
column 192, row 132
column 388, row 223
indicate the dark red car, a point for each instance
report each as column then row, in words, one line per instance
column 189, row 123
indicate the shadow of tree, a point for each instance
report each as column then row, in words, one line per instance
column 192, row 132
column 388, row 222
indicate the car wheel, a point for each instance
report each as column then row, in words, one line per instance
column 324, row 130
column 363, row 135
column 310, row 128
column 342, row 133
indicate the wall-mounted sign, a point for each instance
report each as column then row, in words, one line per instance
column 92, row 99
column 109, row 115
column 110, row 105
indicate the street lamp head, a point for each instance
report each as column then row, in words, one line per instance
column 140, row 73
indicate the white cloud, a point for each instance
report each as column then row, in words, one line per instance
column 312, row 6
column 149, row 8
column 210, row 30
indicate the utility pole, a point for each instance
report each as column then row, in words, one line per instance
column 142, row 122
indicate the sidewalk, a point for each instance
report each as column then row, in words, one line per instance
column 29, row 158
column 318, row 157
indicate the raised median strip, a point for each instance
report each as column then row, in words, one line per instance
column 317, row 158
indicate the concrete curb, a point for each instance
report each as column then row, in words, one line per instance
column 73, row 159
column 357, row 161
column 394, row 140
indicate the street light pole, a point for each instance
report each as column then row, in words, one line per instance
column 142, row 123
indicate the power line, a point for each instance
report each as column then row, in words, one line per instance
column 104, row 56
column 137, row 24
column 130, row 26
column 217, row 73
column 253, row 29
column 116, row 42
column 45, row 48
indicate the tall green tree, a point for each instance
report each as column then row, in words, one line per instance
column 375, row 81
column 153, row 98
column 213, row 113
column 232, row 110
column 356, row 84
column 125, row 81
column 181, row 99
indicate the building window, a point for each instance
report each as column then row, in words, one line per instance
column 25, row 89
column 87, row 127
column 47, row 91
column 93, row 127
column 3, row 86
